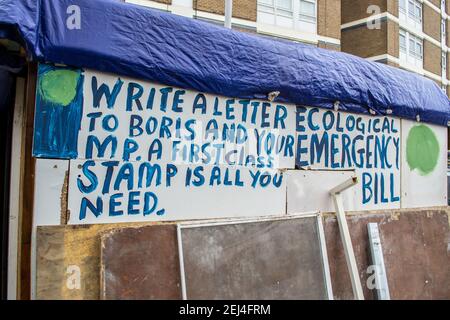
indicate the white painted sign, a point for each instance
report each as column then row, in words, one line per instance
column 151, row 152
column 143, row 151
column 424, row 165
column 371, row 145
column 112, row 191
column 125, row 119
column 309, row 190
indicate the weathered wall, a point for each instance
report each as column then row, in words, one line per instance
column 415, row 246
column 59, row 247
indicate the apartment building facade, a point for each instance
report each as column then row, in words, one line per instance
column 315, row 22
column 410, row 34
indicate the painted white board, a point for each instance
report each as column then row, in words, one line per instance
column 211, row 192
column 331, row 140
column 48, row 186
column 107, row 122
column 157, row 123
column 308, row 190
column 424, row 165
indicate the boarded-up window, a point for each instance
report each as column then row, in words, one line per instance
column 278, row 259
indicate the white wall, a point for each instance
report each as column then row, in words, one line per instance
column 371, row 148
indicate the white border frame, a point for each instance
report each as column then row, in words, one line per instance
column 320, row 231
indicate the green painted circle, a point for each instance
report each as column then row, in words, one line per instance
column 422, row 149
column 59, row 86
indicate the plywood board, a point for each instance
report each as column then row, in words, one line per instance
column 309, row 190
column 50, row 201
column 66, row 252
column 140, row 263
column 184, row 194
column 50, row 186
column 255, row 260
column 424, row 165
column 415, row 246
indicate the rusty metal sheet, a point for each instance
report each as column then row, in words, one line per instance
column 140, row 263
column 415, row 245
column 256, row 260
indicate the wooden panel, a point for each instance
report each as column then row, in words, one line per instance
column 140, row 263
column 415, row 247
column 27, row 186
column 260, row 260
column 50, row 186
column 62, row 251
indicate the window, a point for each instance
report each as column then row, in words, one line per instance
column 284, row 7
column 281, row 7
column 266, row 6
column 415, row 47
column 415, row 10
column 411, row 49
column 402, row 6
column 307, row 10
column 403, row 41
column 410, row 11
column 292, row 14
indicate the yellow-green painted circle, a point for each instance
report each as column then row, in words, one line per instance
column 422, row 149
column 59, row 86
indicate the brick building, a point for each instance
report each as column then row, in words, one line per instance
column 315, row 22
column 410, row 34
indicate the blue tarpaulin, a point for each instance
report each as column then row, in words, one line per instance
column 144, row 43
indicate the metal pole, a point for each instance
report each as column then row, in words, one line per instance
column 378, row 262
column 181, row 257
column 323, row 251
column 345, row 236
column 228, row 12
